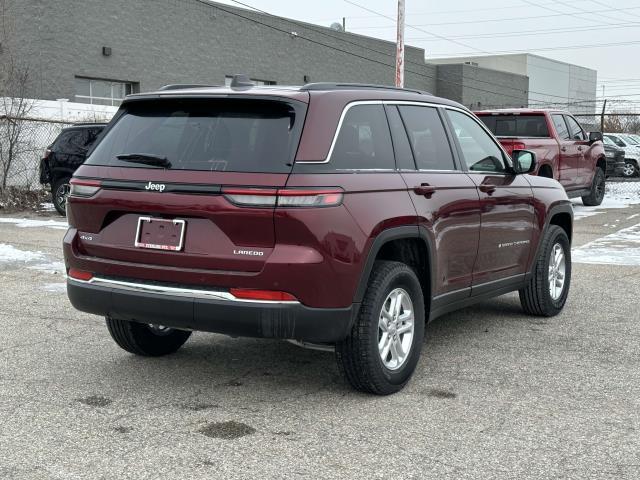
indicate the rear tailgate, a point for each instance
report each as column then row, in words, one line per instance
column 227, row 158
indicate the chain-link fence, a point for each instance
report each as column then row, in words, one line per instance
column 23, row 142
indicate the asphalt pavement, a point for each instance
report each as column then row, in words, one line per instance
column 497, row 394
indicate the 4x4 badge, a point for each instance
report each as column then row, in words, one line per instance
column 155, row 186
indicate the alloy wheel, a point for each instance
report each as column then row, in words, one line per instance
column 395, row 329
column 557, row 271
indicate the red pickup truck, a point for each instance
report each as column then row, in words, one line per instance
column 563, row 149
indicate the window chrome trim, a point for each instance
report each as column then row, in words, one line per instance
column 347, row 107
column 175, row 291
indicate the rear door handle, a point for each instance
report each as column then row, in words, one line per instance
column 488, row 189
column 424, row 189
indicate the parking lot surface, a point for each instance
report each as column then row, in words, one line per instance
column 497, row 394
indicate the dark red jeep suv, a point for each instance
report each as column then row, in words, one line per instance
column 341, row 215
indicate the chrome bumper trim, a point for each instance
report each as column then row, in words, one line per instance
column 174, row 291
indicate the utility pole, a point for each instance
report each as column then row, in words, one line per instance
column 604, row 105
column 344, row 24
column 400, row 46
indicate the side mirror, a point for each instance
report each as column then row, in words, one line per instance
column 524, row 161
column 595, row 137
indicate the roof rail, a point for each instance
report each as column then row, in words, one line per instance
column 178, row 86
column 356, row 86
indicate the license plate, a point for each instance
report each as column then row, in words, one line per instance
column 160, row 234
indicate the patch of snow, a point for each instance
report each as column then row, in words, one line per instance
column 619, row 248
column 55, row 287
column 47, row 207
column 633, row 216
column 8, row 253
column 29, row 223
column 50, row 267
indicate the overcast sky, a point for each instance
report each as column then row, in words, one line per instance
column 603, row 34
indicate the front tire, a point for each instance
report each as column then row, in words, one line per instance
column 59, row 194
column 382, row 351
column 546, row 293
column 596, row 195
column 144, row 339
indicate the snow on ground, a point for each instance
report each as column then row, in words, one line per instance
column 47, row 207
column 9, row 253
column 30, row 223
column 54, row 268
column 55, row 287
column 619, row 195
column 619, row 248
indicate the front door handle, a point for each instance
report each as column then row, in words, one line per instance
column 488, row 189
column 563, row 149
column 424, row 189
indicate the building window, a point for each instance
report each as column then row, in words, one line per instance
column 229, row 78
column 102, row 92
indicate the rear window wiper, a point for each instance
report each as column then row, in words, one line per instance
column 145, row 158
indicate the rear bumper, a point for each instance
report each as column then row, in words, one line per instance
column 205, row 311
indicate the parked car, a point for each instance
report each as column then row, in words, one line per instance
column 564, row 150
column 615, row 158
column 344, row 216
column 631, row 154
column 64, row 156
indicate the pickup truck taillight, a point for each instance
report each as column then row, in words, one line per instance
column 283, row 197
column 511, row 146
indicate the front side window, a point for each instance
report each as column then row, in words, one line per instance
column 616, row 140
column 364, row 140
column 102, row 92
column 479, row 151
column 575, row 129
column 561, row 127
column 428, row 138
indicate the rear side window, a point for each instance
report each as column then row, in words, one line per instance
column 72, row 142
column 561, row 127
column 210, row 135
column 364, row 141
column 428, row 138
column 516, row 125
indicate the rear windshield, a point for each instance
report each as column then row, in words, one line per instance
column 516, row 125
column 205, row 134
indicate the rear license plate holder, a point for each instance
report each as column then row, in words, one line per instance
column 160, row 234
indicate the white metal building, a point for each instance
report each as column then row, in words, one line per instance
column 551, row 83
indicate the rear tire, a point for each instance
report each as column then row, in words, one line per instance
column 537, row 297
column 392, row 301
column 596, row 195
column 59, row 194
column 146, row 340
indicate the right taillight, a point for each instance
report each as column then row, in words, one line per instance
column 84, row 188
column 284, row 197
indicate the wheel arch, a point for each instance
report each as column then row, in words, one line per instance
column 409, row 244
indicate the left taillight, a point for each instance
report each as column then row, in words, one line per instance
column 284, row 197
column 84, row 188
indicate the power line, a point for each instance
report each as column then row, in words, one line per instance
column 499, row 20
column 310, row 27
column 545, row 49
column 531, row 32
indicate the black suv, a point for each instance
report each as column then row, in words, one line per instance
column 64, row 156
